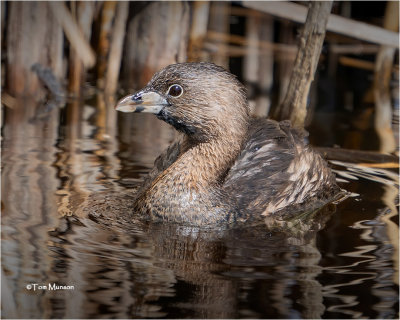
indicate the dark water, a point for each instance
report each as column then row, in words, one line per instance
column 66, row 221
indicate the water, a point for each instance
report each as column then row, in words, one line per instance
column 66, row 183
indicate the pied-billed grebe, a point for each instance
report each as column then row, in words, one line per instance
column 227, row 166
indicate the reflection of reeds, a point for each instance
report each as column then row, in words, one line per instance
column 390, row 198
column 29, row 182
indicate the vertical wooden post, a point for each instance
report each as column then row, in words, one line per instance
column 157, row 37
column 382, row 77
column 251, row 63
column 117, row 41
column 20, row 80
column 294, row 106
column 107, row 15
column 3, row 18
column 198, row 30
column 23, row 50
column 107, row 117
column 75, row 67
column 219, row 22
column 266, row 70
column 258, row 67
column 285, row 64
column 84, row 13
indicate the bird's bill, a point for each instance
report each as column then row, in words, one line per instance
column 150, row 102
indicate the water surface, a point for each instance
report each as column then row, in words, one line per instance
column 67, row 182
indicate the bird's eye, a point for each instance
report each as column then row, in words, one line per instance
column 175, row 90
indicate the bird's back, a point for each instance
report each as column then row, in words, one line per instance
column 277, row 169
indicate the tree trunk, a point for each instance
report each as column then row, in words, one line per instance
column 294, row 106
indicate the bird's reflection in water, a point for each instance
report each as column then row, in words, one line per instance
column 125, row 268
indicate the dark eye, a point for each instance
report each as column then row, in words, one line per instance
column 175, row 90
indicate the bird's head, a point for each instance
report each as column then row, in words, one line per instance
column 202, row 100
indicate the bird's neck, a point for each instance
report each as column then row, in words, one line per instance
column 190, row 188
column 205, row 163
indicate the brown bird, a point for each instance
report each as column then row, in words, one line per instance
column 226, row 166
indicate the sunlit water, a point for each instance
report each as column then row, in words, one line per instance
column 66, row 220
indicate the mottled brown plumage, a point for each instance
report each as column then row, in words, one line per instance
column 226, row 166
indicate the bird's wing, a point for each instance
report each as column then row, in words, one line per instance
column 276, row 168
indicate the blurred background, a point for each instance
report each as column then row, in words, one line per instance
column 70, row 162
column 113, row 48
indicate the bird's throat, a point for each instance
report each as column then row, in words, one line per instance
column 178, row 125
